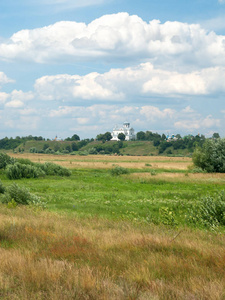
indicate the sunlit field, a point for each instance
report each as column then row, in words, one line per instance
column 107, row 161
column 107, row 236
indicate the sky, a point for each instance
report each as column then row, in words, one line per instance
column 82, row 67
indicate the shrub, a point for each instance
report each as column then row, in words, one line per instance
column 92, row 151
column 5, row 160
column 33, row 150
column 211, row 157
column 49, row 151
column 119, row 171
column 18, row 171
column 53, row 169
column 20, row 195
column 65, row 151
column 2, row 188
column 197, row 170
column 25, row 161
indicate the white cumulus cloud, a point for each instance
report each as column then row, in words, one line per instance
column 197, row 124
column 125, row 85
column 115, row 37
column 14, row 104
column 4, row 79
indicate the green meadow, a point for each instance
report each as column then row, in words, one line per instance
column 110, row 232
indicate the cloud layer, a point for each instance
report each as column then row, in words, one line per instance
column 125, row 85
column 167, row 69
column 118, row 37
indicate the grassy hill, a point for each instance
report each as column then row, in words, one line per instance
column 139, row 148
column 40, row 145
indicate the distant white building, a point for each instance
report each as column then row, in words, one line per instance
column 126, row 130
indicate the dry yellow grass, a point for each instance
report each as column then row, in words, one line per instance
column 49, row 256
column 108, row 161
column 218, row 178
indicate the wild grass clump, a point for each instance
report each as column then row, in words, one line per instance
column 167, row 216
column 117, row 170
column 20, row 195
column 210, row 212
column 18, row 171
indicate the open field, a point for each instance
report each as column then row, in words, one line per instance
column 113, row 237
column 108, row 161
column 50, row 256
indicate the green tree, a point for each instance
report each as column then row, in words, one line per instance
column 56, row 147
column 74, row 146
column 45, row 146
column 216, row 135
column 107, row 136
column 211, row 157
column 104, row 137
column 141, row 136
column 68, row 148
column 100, row 137
column 75, row 137
column 121, row 136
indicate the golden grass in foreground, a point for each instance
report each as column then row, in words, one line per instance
column 49, row 256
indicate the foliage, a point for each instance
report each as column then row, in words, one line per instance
column 104, row 137
column 197, row 170
column 10, row 143
column 121, row 136
column 215, row 135
column 33, row 150
column 24, row 168
column 92, row 151
column 167, row 216
column 25, row 161
column 18, row 171
column 74, row 146
column 5, row 159
column 211, row 157
column 117, row 170
column 210, row 212
column 141, row 136
column 20, row 195
column 2, row 188
column 53, row 169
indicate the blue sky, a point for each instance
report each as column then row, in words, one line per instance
column 69, row 66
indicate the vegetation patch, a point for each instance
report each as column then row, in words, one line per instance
column 14, row 194
column 117, row 170
column 24, row 168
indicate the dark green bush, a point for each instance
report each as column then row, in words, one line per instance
column 33, row 150
column 25, row 161
column 2, row 188
column 119, row 171
column 5, row 159
column 21, row 195
column 53, row 169
column 18, row 171
column 211, row 157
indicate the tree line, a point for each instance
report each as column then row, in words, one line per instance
column 163, row 143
